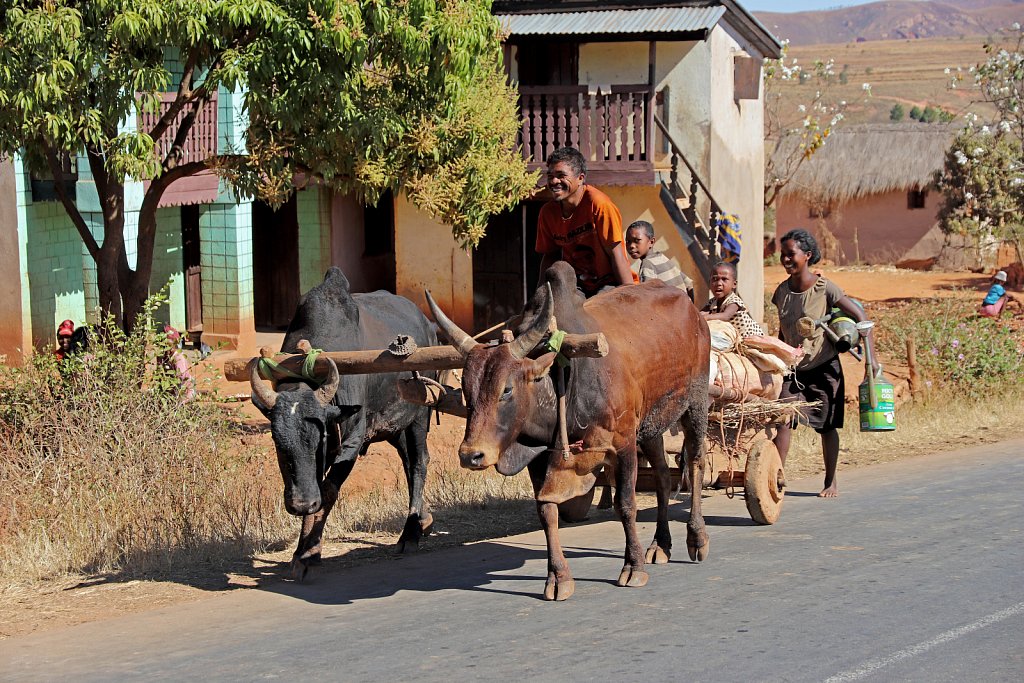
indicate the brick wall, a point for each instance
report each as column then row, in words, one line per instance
column 53, row 263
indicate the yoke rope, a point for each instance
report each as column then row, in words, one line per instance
column 270, row 369
column 554, row 345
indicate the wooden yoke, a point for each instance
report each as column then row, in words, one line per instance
column 430, row 358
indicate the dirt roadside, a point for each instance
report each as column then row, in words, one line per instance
column 79, row 600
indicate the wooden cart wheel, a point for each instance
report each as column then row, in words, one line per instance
column 761, row 482
column 576, row 509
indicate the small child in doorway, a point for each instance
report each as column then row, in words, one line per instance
column 726, row 304
column 992, row 304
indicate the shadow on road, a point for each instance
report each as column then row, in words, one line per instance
column 376, row 571
column 470, row 568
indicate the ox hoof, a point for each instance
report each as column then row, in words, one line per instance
column 559, row 590
column 633, row 578
column 426, row 524
column 407, row 546
column 698, row 548
column 657, row 555
column 299, row 570
column 409, row 541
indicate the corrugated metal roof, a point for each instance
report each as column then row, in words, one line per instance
column 619, row 21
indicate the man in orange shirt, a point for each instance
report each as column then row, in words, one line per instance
column 581, row 226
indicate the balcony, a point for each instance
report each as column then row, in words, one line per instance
column 200, row 144
column 613, row 129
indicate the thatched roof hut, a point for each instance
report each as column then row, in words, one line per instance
column 871, row 159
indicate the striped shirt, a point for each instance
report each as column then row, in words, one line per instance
column 657, row 266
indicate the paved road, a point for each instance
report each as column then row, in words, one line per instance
column 915, row 573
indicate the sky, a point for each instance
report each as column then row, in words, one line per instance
column 798, row 5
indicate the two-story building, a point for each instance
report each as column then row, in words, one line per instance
column 663, row 97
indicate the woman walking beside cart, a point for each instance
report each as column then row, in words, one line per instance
column 819, row 375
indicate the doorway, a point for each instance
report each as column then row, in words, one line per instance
column 275, row 263
column 505, row 265
column 191, row 252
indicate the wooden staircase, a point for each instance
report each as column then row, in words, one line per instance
column 683, row 204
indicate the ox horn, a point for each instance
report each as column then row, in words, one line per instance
column 262, row 391
column 522, row 345
column 325, row 394
column 460, row 340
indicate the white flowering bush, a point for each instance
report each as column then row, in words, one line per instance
column 983, row 176
column 794, row 133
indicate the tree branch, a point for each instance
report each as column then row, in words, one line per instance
column 185, row 95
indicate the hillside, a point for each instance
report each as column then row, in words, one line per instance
column 895, row 20
column 911, row 72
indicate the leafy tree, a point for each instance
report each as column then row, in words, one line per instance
column 915, row 113
column 896, row 113
column 793, row 133
column 929, row 115
column 361, row 95
column 983, row 175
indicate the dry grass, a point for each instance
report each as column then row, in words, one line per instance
column 941, row 423
column 450, row 492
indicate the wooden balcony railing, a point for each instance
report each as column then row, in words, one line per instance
column 613, row 129
column 200, row 144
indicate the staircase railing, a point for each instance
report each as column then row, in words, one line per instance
column 707, row 232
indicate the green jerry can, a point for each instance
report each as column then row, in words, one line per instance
column 880, row 417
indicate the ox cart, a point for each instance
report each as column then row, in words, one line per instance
column 740, row 426
column 740, row 454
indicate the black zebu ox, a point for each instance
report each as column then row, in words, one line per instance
column 655, row 375
column 319, row 433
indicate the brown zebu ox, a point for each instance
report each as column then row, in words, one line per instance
column 655, row 375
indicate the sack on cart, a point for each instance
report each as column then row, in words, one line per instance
column 736, row 371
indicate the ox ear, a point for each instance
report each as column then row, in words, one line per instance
column 538, row 368
column 334, row 413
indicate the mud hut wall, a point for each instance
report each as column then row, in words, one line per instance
column 878, row 227
column 427, row 256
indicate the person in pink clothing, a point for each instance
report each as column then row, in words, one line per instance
column 995, row 299
column 174, row 361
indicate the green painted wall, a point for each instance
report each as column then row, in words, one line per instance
column 53, row 264
column 314, row 219
column 167, row 265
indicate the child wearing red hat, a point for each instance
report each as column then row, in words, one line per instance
column 64, row 332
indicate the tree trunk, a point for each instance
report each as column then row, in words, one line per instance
column 107, row 281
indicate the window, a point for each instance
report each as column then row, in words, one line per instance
column 916, row 199
column 44, row 186
column 746, row 73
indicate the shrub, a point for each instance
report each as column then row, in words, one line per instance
column 915, row 113
column 956, row 349
column 896, row 113
column 104, row 468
